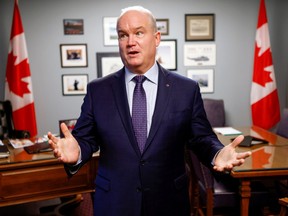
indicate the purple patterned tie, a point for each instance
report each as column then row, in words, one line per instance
column 139, row 112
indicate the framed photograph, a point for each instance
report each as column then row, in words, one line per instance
column 110, row 32
column 73, row 55
column 74, row 84
column 107, row 63
column 70, row 123
column 199, row 54
column 73, row 26
column 205, row 78
column 163, row 26
column 199, row 27
column 167, row 54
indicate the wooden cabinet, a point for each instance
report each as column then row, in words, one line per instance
column 35, row 180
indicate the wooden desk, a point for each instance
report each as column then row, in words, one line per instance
column 267, row 161
column 32, row 177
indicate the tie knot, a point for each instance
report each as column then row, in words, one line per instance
column 139, row 79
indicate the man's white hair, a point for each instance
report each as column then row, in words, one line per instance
column 140, row 9
column 136, row 8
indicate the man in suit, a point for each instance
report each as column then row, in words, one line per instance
column 152, row 181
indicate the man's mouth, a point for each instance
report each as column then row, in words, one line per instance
column 133, row 53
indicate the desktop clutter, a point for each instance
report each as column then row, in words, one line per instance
column 31, row 147
column 9, row 136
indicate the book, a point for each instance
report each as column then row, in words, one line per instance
column 20, row 143
column 38, row 147
column 227, row 131
column 250, row 141
column 4, row 151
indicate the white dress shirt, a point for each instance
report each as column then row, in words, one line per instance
column 150, row 86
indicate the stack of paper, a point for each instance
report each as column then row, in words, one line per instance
column 227, row 131
column 20, row 143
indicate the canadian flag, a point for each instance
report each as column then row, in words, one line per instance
column 18, row 83
column 264, row 95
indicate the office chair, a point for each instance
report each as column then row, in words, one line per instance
column 221, row 193
column 282, row 128
column 6, row 123
column 282, row 185
column 215, row 111
column 207, row 192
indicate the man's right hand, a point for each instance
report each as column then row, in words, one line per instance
column 65, row 149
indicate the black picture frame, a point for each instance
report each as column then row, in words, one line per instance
column 167, row 54
column 73, row 26
column 107, row 63
column 204, row 77
column 163, row 26
column 74, row 84
column 73, row 55
column 70, row 123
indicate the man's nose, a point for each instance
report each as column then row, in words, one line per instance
column 131, row 39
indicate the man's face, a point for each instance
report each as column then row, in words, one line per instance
column 137, row 41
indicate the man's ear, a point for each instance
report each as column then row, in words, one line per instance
column 157, row 38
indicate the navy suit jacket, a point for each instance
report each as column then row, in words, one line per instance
column 155, row 182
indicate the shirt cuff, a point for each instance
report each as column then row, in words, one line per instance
column 213, row 161
column 73, row 168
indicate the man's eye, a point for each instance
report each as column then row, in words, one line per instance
column 139, row 34
column 122, row 37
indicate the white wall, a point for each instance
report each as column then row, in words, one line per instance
column 235, row 23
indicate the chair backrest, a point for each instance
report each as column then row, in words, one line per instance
column 282, row 128
column 212, row 193
column 6, row 122
column 203, row 174
column 215, row 111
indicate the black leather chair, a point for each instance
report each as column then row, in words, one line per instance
column 208, row 192
column 222, row 192
column 215, row 111
column 6, row 123
column 282, row 128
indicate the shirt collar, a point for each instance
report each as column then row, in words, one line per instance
column 151, row 74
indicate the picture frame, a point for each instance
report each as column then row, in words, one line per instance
column 107, row 63
column 73, row 26
column 73, row 55
column 163, row 26
column 110, row 32
column 167, row 54
column 199, row 54
column 204, row 77
column 74, row 84
column 70, row 123
column 199, row 27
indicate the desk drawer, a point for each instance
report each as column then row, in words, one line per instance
column 44, row 180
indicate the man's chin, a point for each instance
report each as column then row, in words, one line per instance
column 134, row 63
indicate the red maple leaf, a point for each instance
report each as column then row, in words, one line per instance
column 260, row 158
column 15, row 73
column 261, row 76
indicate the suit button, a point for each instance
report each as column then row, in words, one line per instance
column 146, row 189
column 138, row 189
column 142, row 162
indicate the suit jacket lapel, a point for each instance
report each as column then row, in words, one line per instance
column 120, row 96
column 163, row 96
